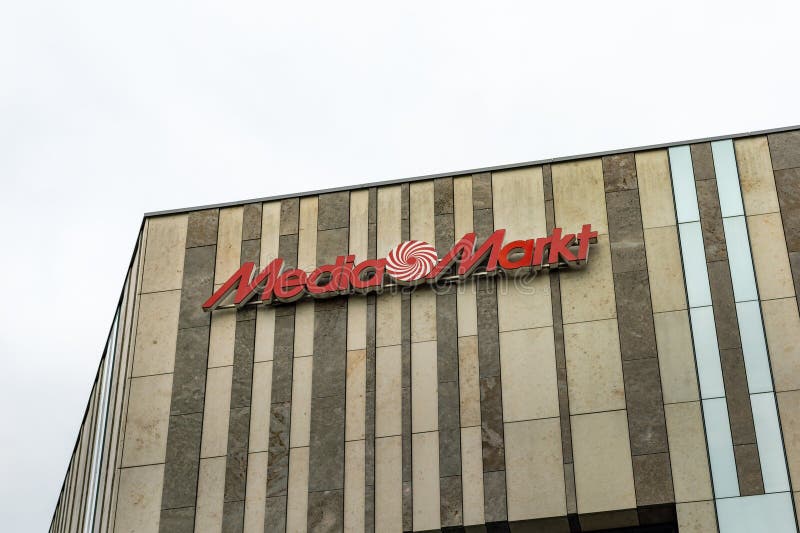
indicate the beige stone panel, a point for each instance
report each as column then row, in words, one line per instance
column 300, row 428
column 424, row 387
column 770, row 257
column 359, row 224
column 755, row 175
column 665, row 270
column 676, row 357
column 687, row 448
column 216, row 412
column 355, row 395
column 697, row 517
column 297, row 493
column 782, row 325
column 472, row 475
column 157, row 333
column 421, row 226
column 270, row 231
column 148, row 420
column 139, row 500
column 388, row 310
column 518, row 202
column 165, row 249
column 462, row 206
column 594, row 367
column 354, row 486
column 588, row 293
column 356, row 323
column 265, row 334
column 534, row 469
column 307, row 235
column 388, row 230
column 528, row 369
column 425, row 480
column 256, row 494
column 229, row 243
column 579, row 195
column 469, row 381
column 259, row 408
column 524, row 303
column 467, row 309
column 389, row 484
column 222, row 338
column 603, row 468
column 655, row 189
column 789, row 409
column 303, row 329
column 423, row 315
column 210, row 495
column 388, row 392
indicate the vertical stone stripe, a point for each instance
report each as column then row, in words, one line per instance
column 356, row 375
column 326, row 452
column 281, row 398
column 302, row 371
column 599, row 420
column 493, row 443
column 468, row 369
column 241, row 384
column 147, row 422
column 646, row 422
column 729, row 341
column 188, row 390
column 532, row 427
column 388, row 375
column 405, row 371
column 370, row 403
column 450, row 482
column 560, row 358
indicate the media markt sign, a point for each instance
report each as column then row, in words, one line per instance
column 407, row 264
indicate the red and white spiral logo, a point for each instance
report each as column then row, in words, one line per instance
column 411, row 260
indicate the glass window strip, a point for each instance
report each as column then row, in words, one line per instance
column 720, row 448
column 770, row 445
column 740, row 259
column 680, row 162
column 730, row 196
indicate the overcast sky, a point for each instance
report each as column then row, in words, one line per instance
column 109, row 110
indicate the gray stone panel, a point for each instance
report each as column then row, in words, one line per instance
column 711, row 220
column 282, row 363
column 492, row 424
column 625, row 231
column 369, row 510
column 483, row 224
column 727, row 325
column 182, row 461
column 278, row 458
column 326, row 453
column 233, row 517
column 325, row 513
column 290, row 216
column 794, row 261
column 784, row 148
column 619, row 172
column 244, row 349
column 488, row 336
column 450, row 497
column 251, row 251
column 482, row 191
column 251, row 221
column 653, row 479
column 287, row 250
column 442, row 196
column 447, row 338
column 202, row 228
column 177, row 520
column 637, row 336
column 330, row 244
column 646, row 422
column 563, row 409
column 408, row 509
column 236, row 465
column 737, row 396
column 569, row 486
column 197, row 286
column 449, row 452
column 275, row 515
column 787, row 183
column 547, row 184
column 189, row 378
column 333, row 210
column 703, row 162
column 748, row 469
column 494, row 496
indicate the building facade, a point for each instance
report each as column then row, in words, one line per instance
column 644, row 374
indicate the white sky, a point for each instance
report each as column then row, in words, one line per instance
column 110, row 109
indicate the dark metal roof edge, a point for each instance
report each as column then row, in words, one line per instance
column 472, row 171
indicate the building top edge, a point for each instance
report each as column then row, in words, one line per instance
column 457, row 173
